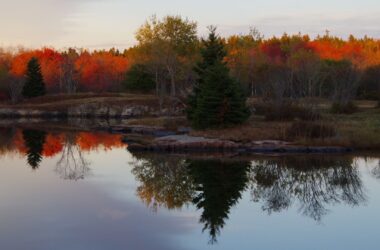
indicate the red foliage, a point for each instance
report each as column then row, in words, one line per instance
column 272, row 49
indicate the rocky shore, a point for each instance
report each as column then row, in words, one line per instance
column 183, row 143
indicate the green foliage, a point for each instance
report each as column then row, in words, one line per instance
column 217, row 99
column 139, row 78
column 34, row 85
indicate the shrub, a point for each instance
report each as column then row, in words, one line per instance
column 302, row 129
column 338, row 108
column 286, row 112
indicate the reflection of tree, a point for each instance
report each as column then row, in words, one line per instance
column 34, row 142
column 214, row 186
column 376, row 171
column 313, row 182
column 72, row 165
column 6, row 139
column 219, row 185
column 165, row 181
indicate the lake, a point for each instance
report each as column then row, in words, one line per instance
column 85, row 190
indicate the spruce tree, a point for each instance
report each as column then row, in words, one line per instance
column 34, row 85
column 217, row 99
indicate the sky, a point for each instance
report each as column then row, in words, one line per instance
column 97, row 24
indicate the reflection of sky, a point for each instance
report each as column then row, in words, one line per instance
column 102, row 23
column 38, row 210
column 44, row 212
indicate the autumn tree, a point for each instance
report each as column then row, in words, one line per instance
column 100, row 71
column 242, row 58
column 34, row 85
column 68, row 73
column 169, row 44
column 217, row 99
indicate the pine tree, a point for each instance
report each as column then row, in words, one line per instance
column 217, row 99
column 34, row 85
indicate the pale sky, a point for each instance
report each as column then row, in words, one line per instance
column 113, row 23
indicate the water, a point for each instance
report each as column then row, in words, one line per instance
column 79, row 190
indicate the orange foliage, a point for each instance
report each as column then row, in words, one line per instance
column 98, row 71
column 101, row 71
column 91, row 141
column 53, row 145
column 50, row 65
column 328, row 50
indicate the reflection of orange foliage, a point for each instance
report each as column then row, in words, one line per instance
column 87, row 141
column 53, row 145
column 18, row 142
column 91, row 141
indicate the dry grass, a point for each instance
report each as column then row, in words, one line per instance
column 62, row 102
column 255, row 129
column 360, row 130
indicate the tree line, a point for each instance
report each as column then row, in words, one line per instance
column 168, row 50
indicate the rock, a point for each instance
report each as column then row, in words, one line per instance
column 185, row 143
column 184, row 130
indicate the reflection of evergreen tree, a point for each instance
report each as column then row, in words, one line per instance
column 219, row 185
column 34, row 142
column 313, row 182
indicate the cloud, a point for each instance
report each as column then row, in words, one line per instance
column 30, row 22
column 312, row 24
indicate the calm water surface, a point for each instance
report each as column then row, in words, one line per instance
column 71, row 190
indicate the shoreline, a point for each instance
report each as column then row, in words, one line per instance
column 140, row 138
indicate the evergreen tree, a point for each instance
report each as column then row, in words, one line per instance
column 34, row 85
column 138, row 78
column 217, row 99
